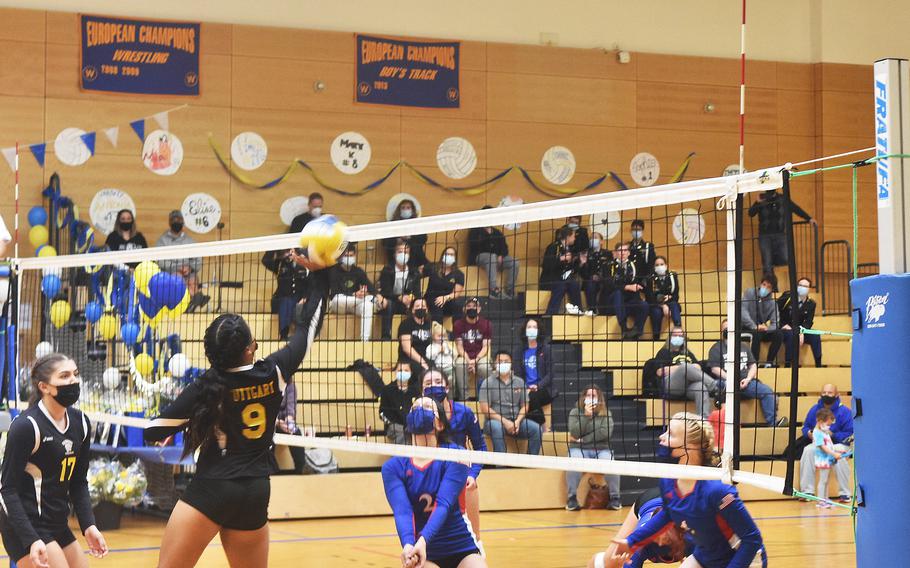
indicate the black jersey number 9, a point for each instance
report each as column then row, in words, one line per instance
column 67, row 466
column 254, row 421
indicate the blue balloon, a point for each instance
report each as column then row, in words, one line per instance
column 50, row 285
column 130, row 333
column 93, row 312
column 167, row 289
column 37, row 215
column 149, row 306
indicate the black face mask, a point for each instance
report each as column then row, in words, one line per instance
column 420, row 313
column 67, row 395
column 126, row 225
column 471, row 312
column 176, row 227
column 828, row 399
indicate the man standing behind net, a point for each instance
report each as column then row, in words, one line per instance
column 187, row 268
column 772, row 239
column 473, row 335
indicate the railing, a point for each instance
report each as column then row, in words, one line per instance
column 836, row 271
column 805, row 244
column 866, row 269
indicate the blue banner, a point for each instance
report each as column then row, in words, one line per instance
column 407, row 73
column 139, row 56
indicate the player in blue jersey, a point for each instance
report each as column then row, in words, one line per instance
column 463, row 426
column 711, row 512
column 424, row 495
column 668, row 548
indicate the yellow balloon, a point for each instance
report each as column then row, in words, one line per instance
column 143, row 273
column 145, row 364
column 37, row 235
column 47, row 250
column 107, row 326
column 60, row 313
column 180, row 308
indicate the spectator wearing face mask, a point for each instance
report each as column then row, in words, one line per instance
column 351, row 291
column 473, row 334
column 487, row 248
column 805, row 318
column 395, row 403
column 747, row 376
column 557, row 274
column 187, row 268
column 414, row 336
column 662, row 294
column 841, row 432
column 641, row 251
column 504, row 401
column 291, row 285
column 314, row 211
column 533, row 361
column 406, row 210
column 582, row 241
column 445, row 289
column 622, row 292
column 399, row 285
column 760, row 318
column 590, row 431
column 591, row 264
column 682, row 375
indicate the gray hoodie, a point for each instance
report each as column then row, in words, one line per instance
column 757, row 310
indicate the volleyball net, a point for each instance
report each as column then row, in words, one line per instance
column 602, row 372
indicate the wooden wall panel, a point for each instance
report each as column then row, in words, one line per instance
column 517, row 101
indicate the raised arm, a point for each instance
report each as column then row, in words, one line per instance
column 308, row 318
column 174, row 417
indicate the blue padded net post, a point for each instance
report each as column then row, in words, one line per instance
column 881, row 321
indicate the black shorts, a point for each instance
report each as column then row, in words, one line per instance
column 13, row 544
column 647, row 495
column 452, row 560
column 241, row 504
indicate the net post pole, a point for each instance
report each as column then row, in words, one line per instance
column 892, row 136
column 794, row 337
column 734, row 308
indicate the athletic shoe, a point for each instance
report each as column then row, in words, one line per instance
column 615, row 503
column 572, row 504
column 804, row 499
column 844, row 499
column 573, row 310
column 782, row 421
column 824, row 505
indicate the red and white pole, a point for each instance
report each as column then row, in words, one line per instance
column 16, row 219
column 742, row 93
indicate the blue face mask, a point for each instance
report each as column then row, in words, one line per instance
column 763, row 292
column 664, row 454
column 436, row 393
column 677, row 340
column 421, row 421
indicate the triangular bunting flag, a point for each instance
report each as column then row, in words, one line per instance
column 38, row 152
column 162, row 119
column 89, row 139
column 138, row 127
column 10, row 155
column 112, row 134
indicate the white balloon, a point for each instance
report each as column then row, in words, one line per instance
column 42, row 349
column 111, row 378
column 56, row 271
column 178, row 365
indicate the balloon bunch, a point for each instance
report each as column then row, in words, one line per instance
column 38, row 235
column 161, row 295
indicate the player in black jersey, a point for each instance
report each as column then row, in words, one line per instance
column 229, row 416
column 44, row 470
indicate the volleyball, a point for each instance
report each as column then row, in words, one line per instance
column 324, row 239
column 456, row 157
column 558, row 165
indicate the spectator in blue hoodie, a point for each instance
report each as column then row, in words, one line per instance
column 841, row 435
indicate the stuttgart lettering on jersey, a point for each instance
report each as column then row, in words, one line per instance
column 251, row 393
